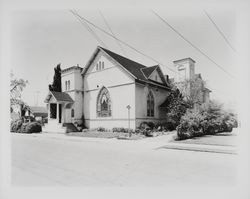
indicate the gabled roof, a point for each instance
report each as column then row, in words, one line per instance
column 139, row 71
column 59, row 97
column 148, row 70
column 130, row 65
column 38, row 109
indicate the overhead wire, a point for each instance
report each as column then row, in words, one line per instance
column 123, row 42
column 195, row 47
column 219, row 30
column 108, row 26
column 88, row 28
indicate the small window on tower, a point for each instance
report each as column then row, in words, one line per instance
column 68, row 85
column 156, row 78
column 102, row 65
column 72, row 113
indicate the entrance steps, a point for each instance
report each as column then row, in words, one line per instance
column 70, row 127
column 54, row 127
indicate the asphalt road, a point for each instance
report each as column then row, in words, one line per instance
column 58, row 160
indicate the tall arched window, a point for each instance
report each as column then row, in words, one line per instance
column 150, row 104
column 103, row 107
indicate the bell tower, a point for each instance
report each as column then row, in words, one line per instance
column 185, row 69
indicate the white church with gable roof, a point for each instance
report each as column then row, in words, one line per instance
column 102, row 91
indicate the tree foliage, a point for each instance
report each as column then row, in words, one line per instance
column 56, row 85
column 192, row 90
column 176, row 107
column 16, row 88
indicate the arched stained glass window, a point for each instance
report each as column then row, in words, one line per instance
column 150, row 104
column 103, row 107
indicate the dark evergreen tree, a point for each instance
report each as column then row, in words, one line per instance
column 56, row 85
column 177, row 107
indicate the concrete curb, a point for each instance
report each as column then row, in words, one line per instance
column 200, row 148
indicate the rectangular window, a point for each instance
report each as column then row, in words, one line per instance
column 68, row 85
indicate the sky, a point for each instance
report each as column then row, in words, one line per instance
column 40, row 39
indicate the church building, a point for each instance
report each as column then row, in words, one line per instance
column 110, row 91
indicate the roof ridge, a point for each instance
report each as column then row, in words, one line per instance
column 122, row 56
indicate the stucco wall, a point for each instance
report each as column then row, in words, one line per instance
column 160, row 96
column 121, row 88
column 75, row 92
column 155, row 76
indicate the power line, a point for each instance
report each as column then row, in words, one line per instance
column 88, row 28
column 126, row 44
column 193, row 45
column 218, row 29
column 118, row 43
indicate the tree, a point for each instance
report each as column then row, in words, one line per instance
column 56, row 85
column 192, row 90
column 176, row 108
column 16, row 88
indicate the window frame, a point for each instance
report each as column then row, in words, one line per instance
column 100, row 113
column 150, row 104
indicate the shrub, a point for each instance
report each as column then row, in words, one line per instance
column 122, row 130
column 31, row 127
column 147, row 125
column 16, row 125
column 101, row 129
column 208, row 119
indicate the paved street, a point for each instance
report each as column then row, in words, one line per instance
column 59, row 160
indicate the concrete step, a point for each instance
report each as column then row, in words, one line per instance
column 54, row 127
column 70, row 127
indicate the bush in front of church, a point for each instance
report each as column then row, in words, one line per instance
column 15, row 125
column 31, row 127
column 208, row 119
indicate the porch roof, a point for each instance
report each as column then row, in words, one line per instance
column 59, row 97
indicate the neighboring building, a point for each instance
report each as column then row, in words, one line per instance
column 186, row 77
column 37, row 112
column 102, row 92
